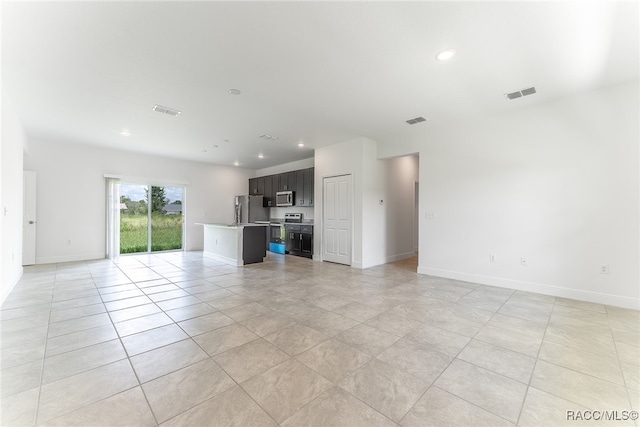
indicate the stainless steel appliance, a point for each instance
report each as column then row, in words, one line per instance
column 284, row 198
column 250, row 209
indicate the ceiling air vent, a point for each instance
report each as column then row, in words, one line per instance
column 416, row 120
column 166, row 110
column 521, row 93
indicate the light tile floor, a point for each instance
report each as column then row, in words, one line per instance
column 177, row 339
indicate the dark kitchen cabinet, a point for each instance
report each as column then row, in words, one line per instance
column 301, row 182
column 256, row 186
column 269, row 195
column 300, row 197
column 299, row 240
column 293, row 238
column 287, row 181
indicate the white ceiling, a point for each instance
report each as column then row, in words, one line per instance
column 317, row 72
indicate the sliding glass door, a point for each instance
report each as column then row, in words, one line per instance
column 151, row 218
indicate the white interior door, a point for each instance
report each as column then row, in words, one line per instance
column 337, row 219
column 29, row 218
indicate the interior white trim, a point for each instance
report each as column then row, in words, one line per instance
column 70, row 258
column 557, row 291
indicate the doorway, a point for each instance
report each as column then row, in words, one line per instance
column 151, row 218
column 337, row 219
column 29, row 218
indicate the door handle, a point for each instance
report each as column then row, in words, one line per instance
column 32, row 222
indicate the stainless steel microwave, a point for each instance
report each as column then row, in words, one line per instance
column 284, row 198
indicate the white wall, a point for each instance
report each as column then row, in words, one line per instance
column 401, row 174
column 286, row 167
column 13, row 143
column 71, row 194
column 557, row 183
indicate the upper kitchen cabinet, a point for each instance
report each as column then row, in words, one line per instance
column 256, row 186
column 300, row 182
column 269, row 193
column 304, row 187
column 287, row 181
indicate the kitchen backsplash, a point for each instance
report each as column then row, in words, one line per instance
column 307, row 212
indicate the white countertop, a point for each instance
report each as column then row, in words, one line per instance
column 230, row 225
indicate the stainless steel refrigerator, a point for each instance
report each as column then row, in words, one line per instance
column 250, row 209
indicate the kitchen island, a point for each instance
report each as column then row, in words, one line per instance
column 235, row 244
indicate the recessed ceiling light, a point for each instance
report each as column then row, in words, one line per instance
column 300, row 144
column 267, row 136
column 236, row 163
column 261, row 156
column 445, row 55
column 124, row 133
column 234, row 92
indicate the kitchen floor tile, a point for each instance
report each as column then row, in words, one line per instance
column 230, row 408
column 285, row 388
column 357, row 311
column 440, row 408
column 250, row 359
column 515, row 341
column 385, row 388
column 266, row 324
column 153, row 338
column 133, row 312
column 81, row 360
column 499, row 360
column 19, row 409
column 544, row 409
column 20, row 378
column 580, row 388
column 367, row 339
column 490, row 391
column 602, row 366
column 394, row 324
column 128, row 408
column 333, row 359
column 76, row 340
column 392, row 368
column 141, row 324
column 83, row 389
column 296, row 338
column 208, row 322
column 438, row 339
column 190, row 311
column 417, row 359
column 178, row 391
column 163, row 360
column 335, row 407
column 224, row 339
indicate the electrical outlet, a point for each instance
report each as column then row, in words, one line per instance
column 492, row 257
column 604, row 269
column 430, row 215
column 523, row 261
column 68, row 242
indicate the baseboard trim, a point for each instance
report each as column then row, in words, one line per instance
column 12, row 284
column 556, row 291
column 400, row 257
column 70, row 258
